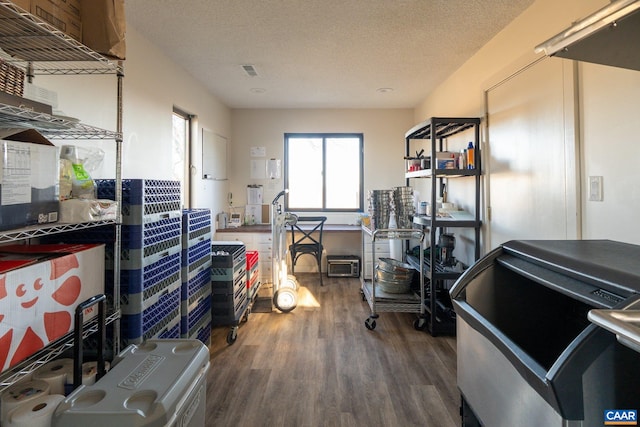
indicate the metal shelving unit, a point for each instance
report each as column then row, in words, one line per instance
column 40, row 49
column 379, row 301
column 437, row 130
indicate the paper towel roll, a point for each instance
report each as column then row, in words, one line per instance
column 37, row 413
column 55, row 373
column 19, row 394
column 89, row 371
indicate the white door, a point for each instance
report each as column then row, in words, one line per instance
column 532, row 186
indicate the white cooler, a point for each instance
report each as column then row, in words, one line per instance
column 155, row 383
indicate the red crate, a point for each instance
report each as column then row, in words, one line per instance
column 252, row 259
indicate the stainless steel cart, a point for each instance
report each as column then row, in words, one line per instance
column 380, row 301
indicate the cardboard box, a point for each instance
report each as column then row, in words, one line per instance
column 29, row 180
column 40, row 287
column 104, row 27
column 73, row 7
column 57, row 13
column 24, row 4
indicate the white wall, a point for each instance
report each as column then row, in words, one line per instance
column 153, row 85
column 383, row 144
column 610, row 104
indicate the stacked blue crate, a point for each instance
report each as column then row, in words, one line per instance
column 228, row 283
column 196, row 275
column 150, row 257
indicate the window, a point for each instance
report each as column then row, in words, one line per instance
column 324, row 172
column 180, row 153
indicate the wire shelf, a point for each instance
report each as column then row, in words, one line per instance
column 50, row 352
column 52, row 127
column 40, row 48
column 45, row 230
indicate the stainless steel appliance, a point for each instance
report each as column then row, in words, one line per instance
column 527, row 353
column 343, row 266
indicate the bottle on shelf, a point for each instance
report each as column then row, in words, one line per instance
column 462, row 159
column 471, row 164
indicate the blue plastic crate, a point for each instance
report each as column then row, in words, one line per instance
column 188, row 304
column 201, row 331
column 196, row 252
column 137, row 303
column 192, row 314
column 169, row 327
column 193, row 270
column 147, row 323
column 139, row 280
column 171, row 331
column 196, row 237
column 134, row 259
column 160, row 242
column 194, row 285
column 149, row 234
column 144, row 200
column 194, row 220
column 140, row 191
column 204, row 333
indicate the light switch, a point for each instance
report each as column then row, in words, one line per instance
column 595, row 188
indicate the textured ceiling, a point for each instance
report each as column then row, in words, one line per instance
column 321, row 53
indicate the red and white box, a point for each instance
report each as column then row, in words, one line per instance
column 40, row 288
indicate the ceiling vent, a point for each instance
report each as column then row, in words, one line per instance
column 250, row 70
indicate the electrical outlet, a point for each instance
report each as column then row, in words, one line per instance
column 595, row 189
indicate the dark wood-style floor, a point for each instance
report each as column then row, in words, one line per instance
column 319, row 366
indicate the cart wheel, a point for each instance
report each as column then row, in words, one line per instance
column 245, row 318
column 370, row 324
column 364, row 298
column 232, row 336
column 420, row 324
column 285, row 299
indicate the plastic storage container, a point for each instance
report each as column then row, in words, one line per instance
column 156, row 383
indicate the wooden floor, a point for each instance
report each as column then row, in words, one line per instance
column 319, row 366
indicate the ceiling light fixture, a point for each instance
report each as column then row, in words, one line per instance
column 384, row 90
column 257, row 90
